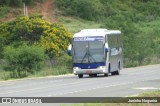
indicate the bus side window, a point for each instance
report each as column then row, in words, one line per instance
column 117, row 42
column 114, row 40
column 109, row 40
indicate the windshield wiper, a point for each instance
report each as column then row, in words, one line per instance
column 89, row 55
column 84, row 57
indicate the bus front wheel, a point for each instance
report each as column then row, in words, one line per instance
column 118, row 71
column 106, row 75
column 80, row 75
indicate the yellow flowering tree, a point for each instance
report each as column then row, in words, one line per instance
column 4, row 37
column 54, row 38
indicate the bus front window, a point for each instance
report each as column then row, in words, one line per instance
column 79, row 49
column 88, row 52
column 96, row 50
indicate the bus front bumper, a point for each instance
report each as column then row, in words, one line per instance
column 89, row 71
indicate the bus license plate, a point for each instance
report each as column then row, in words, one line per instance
column 88, row 72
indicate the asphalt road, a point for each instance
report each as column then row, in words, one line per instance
column 131, row 81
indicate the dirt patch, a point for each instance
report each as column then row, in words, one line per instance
column 48, row 11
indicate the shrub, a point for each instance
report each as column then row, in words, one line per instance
column 52, row 37
column 3, row 11
column 87, row 9
column 23, row 60
column 55, row 40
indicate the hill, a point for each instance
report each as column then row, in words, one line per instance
column 139, row 20
column 38, row 7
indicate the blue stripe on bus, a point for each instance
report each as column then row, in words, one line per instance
column 89, row 65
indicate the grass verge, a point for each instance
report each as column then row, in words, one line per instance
column 46, row 71
column 74, row 25
column 58, row 66
column 150, row 94
column 146, row 94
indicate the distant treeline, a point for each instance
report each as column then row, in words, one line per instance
column 18, row 3
column 102, row 9
column 137, row 19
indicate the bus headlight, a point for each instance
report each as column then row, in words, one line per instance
column 101, row 67
column 76, row 68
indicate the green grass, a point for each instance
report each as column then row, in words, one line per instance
column 74, row 25
column 59, row 66
column 150, row 94
column 150, row 26
column 3, row 11
column 46, row 71
column 49, row 71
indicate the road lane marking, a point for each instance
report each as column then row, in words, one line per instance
column 84, row 90
column 67, row 75
column 146, row 88
column 7, row 84
column 31, row 84
column 154, row 65
column 9, row 92
column 132, row 95
column 152, row 72
column 37, row 78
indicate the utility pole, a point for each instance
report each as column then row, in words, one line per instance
column 25, row 10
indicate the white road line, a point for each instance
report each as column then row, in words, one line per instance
column 147, row 88
column 48, row 95
column 7, row 84
column 32, row 84
column 132, row 95
column 97, row 88
column 67, row 84
column 138, row 73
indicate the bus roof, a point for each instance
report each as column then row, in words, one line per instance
column 95, row 32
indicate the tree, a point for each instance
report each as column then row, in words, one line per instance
column 36, row 31
column 55, row 40
column 24, row 60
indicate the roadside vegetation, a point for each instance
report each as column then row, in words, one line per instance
column 150, row 94
column 18, row 3
column 28, row 43
column 146, row 94
column 139, row 22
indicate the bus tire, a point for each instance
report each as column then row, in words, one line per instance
column 106, row 75
column 80, row 75
column 109, row 69
column 90, row 75
column 113, row 73
column 118, row 71
column 95, row 75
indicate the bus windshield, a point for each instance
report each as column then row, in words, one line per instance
column 88, row 52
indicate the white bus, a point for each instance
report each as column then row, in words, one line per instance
column 96, row 51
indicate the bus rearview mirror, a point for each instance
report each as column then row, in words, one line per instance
column 69, row 50
column 106, row 47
